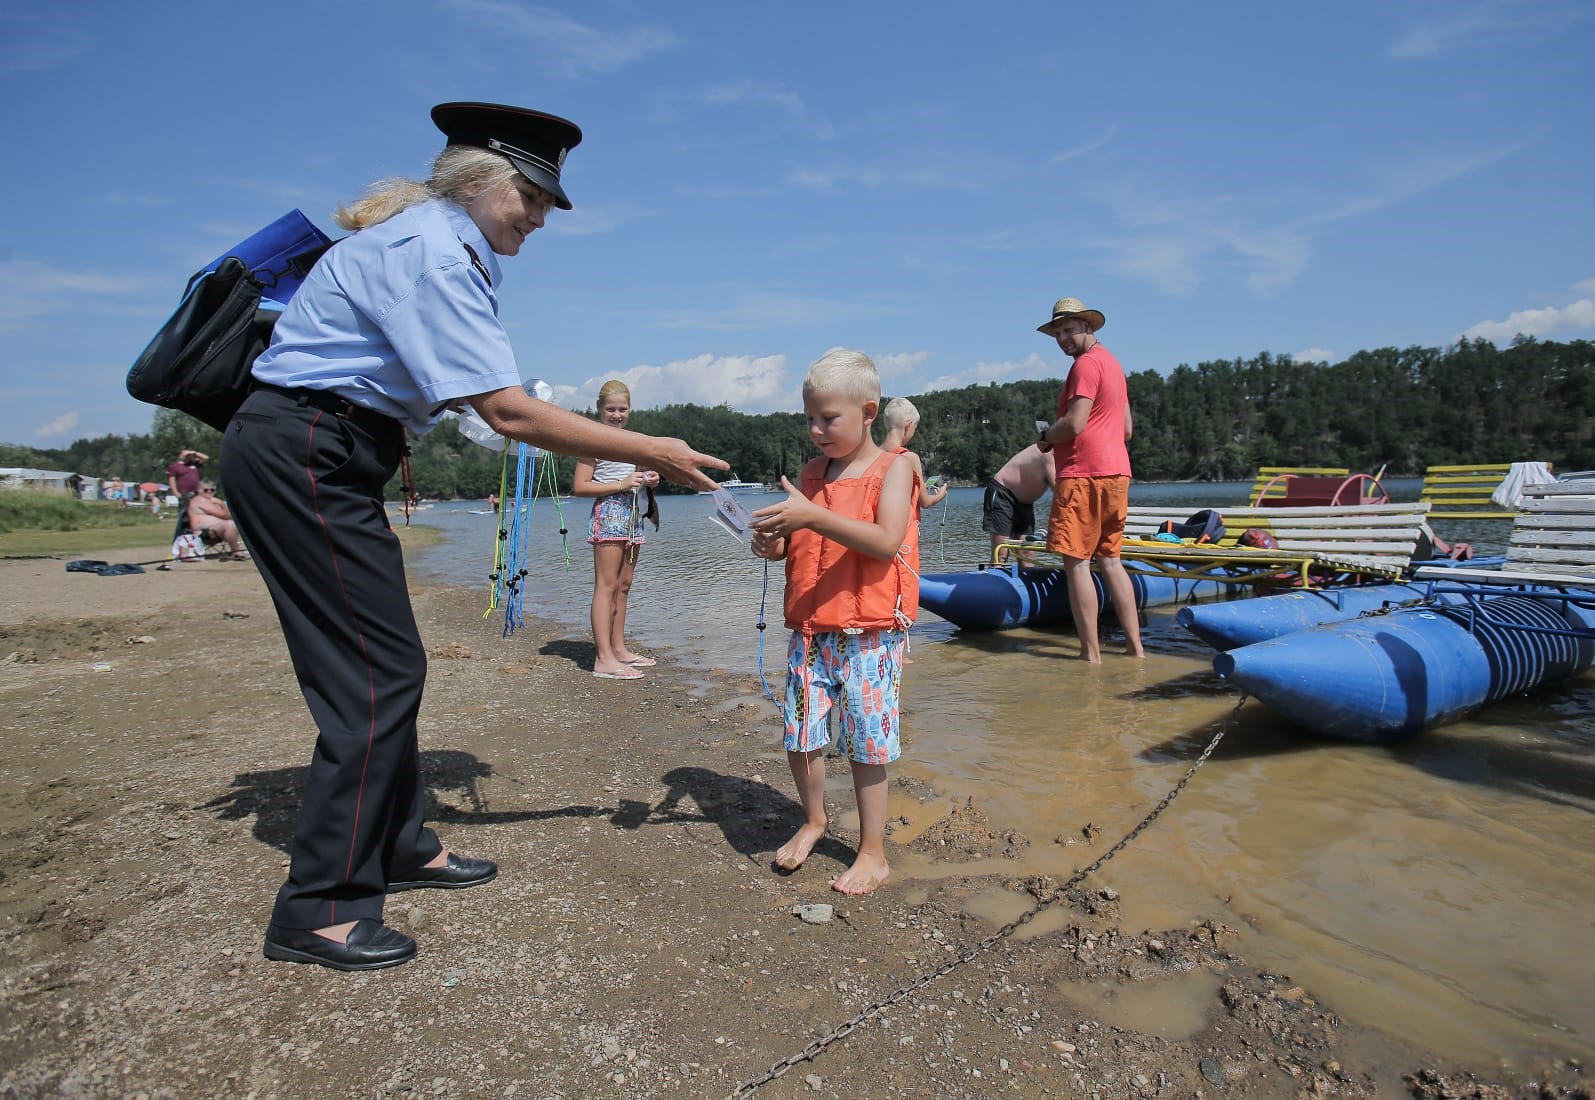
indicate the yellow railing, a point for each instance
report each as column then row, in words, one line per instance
column 1463, row 492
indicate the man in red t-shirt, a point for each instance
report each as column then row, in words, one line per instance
column 1092, row 494
column 183, row 475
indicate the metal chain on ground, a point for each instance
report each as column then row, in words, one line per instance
column 747, row 1088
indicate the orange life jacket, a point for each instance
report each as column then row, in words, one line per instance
column 832, row 588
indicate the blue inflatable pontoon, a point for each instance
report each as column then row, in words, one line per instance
column 1390, row 676
column 1001, row 597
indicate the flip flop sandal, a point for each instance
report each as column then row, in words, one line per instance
column 623, row 674
column 642, row 662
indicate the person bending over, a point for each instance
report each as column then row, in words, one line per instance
column 392, row 327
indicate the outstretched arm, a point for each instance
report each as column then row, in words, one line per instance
column 514, row 414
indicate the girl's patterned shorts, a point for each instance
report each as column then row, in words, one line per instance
column 616, row 518
column 857, row 674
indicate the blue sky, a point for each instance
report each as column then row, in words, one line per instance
column 762, row 182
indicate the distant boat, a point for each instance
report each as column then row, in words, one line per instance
column 736, row 485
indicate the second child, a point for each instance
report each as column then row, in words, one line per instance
column 851, row 546
column 616, row 538
column 902, row 421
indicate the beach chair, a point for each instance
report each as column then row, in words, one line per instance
column 1317, row 546
column 1463, row 492
column 1553, row 541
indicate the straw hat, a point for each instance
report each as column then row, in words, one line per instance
column 1064, row 308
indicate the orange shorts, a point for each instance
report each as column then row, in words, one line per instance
column 1087, row 519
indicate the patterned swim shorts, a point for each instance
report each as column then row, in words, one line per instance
column 857, row 674
column 617, row 518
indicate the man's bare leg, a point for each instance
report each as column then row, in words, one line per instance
column 808, row 773
column 1122, row 594
column 869, row 870
column 1084, row 606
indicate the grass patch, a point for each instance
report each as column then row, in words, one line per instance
column 139, row 531
column 35, row 524
column 31, row 510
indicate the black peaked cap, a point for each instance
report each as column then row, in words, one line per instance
column 536, row 143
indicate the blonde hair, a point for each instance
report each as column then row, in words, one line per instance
column 899, row 413
column 459, row 174
column 843, row 371
column 610, row 389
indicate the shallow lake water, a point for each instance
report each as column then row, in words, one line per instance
column 1443, row 890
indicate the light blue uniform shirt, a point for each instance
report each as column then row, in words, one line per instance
column 397, row 319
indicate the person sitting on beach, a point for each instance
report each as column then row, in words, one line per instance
column 902, row 421
column 851, row 546
column 616, row 538
column 211, row 520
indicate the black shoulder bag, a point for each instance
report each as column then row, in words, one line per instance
column 199, row 362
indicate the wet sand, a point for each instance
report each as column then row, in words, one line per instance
column 636, row 943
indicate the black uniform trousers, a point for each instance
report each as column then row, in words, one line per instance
column 304, row 474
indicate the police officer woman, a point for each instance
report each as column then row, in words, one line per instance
column 394, row 325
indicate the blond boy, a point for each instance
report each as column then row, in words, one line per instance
column 851, row 545
column 902, row 421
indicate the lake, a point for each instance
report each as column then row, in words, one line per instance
column 1443, row 890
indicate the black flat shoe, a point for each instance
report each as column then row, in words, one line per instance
column 456, row 874
column 371, row 946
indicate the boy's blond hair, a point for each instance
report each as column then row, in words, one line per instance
column 843, row 371
column 899, row 413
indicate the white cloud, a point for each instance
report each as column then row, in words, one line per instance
column 1484, row 23
column 30, row 289
column 1031, row 367
column 756, row 94
column 900, row 364
column 1178, row 243
column 1412, row 178
column 1314, row 355
column 59, row 426
column 29, row 45
column 1573, row 317
column 748, row 383
column 577, row 49
column 936, row 172
column 1585, row 287
column 759, row 309
column 1085, row 150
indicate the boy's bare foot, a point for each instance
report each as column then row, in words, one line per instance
column 792, row 854
column 863, row 877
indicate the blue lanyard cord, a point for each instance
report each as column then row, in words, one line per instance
column 763, row 595
column 516, row 556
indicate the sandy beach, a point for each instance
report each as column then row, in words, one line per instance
column 636, row 942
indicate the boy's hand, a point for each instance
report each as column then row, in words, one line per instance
column 768, row 547
column 793, row 514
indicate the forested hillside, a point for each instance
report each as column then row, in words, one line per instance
column 1401, row 409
